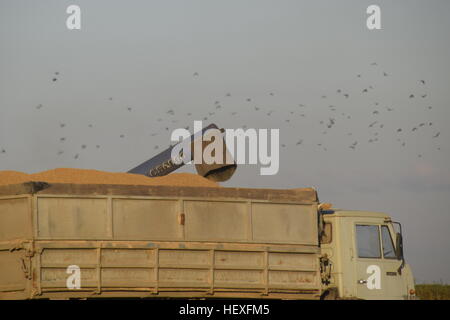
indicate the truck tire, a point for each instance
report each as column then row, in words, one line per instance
column 330, row 294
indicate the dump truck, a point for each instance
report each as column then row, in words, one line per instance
column 61, row 241
column 66, row 240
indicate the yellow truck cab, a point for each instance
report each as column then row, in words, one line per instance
column 363, row 256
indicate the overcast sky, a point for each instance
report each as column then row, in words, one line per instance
column 132, row 61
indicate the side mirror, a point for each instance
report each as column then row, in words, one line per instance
column 399, row 246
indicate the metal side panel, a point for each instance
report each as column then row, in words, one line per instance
column 72, row 218
column 15, row 269
column 171, row 269
column 12, row 277
column 15, row 218
column 174, row 219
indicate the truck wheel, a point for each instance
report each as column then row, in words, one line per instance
column 330, row 294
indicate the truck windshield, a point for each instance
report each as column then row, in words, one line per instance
column 368, row 241
column 388, row 245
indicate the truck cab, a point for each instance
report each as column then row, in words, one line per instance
column 363, row 257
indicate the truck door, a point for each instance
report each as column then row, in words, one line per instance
column 376, row 263
column 368, row 262
column 396, row 288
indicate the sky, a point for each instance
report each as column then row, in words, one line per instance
column 286, row 64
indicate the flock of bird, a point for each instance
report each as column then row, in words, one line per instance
column 219, row 110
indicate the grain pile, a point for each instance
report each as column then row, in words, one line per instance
column 82, row 176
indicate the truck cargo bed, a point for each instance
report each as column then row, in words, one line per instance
column 158, row 241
